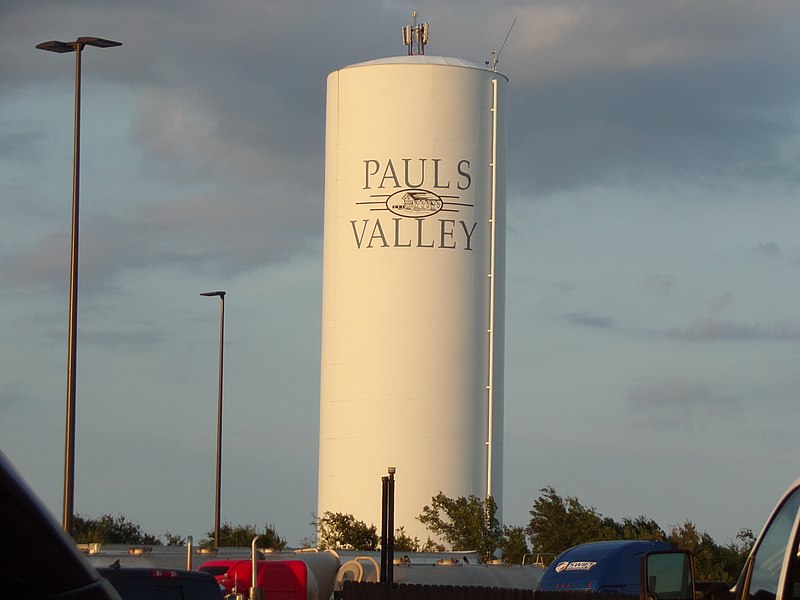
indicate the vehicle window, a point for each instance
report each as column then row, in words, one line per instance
column 769, row 555
column 669, row 576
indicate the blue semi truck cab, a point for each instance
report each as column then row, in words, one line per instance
column 648, row 569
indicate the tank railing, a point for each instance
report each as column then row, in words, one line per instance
column 538, row 558
column 358, row 559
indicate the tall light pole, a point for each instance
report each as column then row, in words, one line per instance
column 221, row 295
column 72, row 353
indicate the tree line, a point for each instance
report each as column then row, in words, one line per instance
column 118, row 530
column 464, row 523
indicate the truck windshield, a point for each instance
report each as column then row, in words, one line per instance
column 768, row 558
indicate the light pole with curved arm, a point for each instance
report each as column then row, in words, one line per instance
column 69, row 458
column 221, row 294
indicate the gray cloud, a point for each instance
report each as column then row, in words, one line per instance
column 710, row 328
column 768, row 249
column 663, row 285
column 585, row 319
column 713, row 326
column 192, row 232
column 677, row 403
column 635, row 95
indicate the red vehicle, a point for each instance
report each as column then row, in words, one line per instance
column 279, row 579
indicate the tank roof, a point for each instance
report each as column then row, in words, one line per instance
column 424, row 59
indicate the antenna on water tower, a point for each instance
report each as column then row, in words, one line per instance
column 496, row 53
column 415, row 36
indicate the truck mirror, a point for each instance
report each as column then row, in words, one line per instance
column 668, row 576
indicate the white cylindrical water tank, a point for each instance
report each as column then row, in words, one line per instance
column 413, row 286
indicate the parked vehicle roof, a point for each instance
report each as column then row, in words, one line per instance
column 143, row 583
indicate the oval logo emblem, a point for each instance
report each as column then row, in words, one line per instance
column 561, row 566
column 414, row 203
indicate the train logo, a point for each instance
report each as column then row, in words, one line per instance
column 415, row 203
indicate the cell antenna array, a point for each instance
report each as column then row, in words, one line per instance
column 415, row 37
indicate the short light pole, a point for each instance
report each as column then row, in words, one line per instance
column 69, row 455
column 218, row 495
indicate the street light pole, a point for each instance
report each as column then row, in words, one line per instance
column 72, row 352
column 217, row 499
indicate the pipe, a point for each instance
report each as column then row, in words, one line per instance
column 253, row 570
column 492, row 257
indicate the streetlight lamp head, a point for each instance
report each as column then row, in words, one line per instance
column 220, row 293
column 56, row 46
column 61, row 47
column 98, row 42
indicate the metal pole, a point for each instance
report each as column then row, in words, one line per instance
column 72, row 350
column 255, row 592
column 219, row 422
column 218, row 494
column 384, row 528
column 189, row 542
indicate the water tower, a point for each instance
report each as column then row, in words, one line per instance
column 413, row 283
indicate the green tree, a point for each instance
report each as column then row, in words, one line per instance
column 432, row 546
column 404, row 542
column 559, row 523
column 703, row 549
column 641, row 528
column 340, row 530
column 174, row 539
column 110, row 530
column 514, row 544
column 466, row 523
column 310, row 541
column 713, row 562
column 241, row 536
column 733, row 556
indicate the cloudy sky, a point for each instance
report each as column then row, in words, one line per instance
column 653, row 328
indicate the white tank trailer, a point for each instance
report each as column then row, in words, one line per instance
column 445, row 572
column 413, row 286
